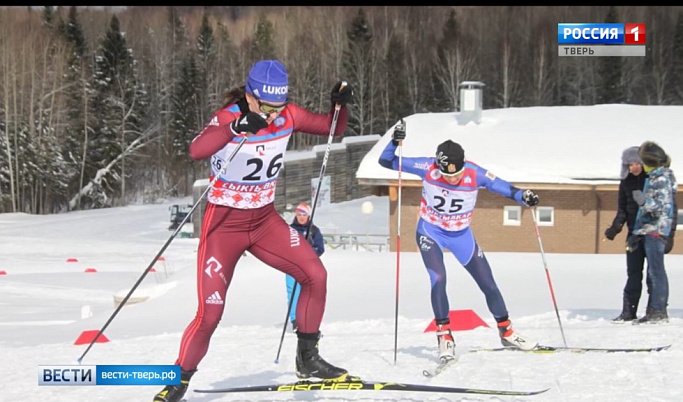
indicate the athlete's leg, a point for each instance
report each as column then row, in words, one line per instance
column 277, row 244
column 432, row 257
column 467, row 252
column 219, row 249
column 282, row 247
column 472, row 257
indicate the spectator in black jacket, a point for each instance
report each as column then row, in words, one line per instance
column 632, row 178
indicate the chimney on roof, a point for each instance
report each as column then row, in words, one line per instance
column 470, row 102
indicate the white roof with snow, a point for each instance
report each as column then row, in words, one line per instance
column 554, row 145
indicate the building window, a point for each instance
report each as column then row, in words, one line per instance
column 512, row 215
column 545, row 216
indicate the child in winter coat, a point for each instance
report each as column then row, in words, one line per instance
column 653, row 226
column 302, row 224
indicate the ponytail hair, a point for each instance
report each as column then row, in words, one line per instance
column 232, row 96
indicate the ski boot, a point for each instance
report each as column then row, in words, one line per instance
column 446, row 342
column 508, row 336
column 310, row 364
column 175, row 393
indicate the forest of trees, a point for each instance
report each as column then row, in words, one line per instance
column 98, row 105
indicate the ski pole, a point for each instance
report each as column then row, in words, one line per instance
column 547, row 274
column 323, row 167
column 398, row 239
column 168, row 242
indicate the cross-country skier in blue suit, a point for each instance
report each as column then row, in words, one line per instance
column 449, row 193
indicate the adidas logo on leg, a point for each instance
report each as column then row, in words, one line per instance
column 215, row 298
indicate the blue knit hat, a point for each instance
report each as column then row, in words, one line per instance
column 267, row 81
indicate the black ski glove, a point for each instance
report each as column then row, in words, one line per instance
column 530, row 198
column 249, row 123
column 399, row 133
column 633, row 242
column 612, row 231
column 341, row 95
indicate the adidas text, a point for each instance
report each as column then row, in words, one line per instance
column 215, row 298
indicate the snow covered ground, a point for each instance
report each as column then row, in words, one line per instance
column 47, row 302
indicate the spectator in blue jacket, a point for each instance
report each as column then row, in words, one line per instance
column 670, row 240
column 653, row 226
column 301, row 223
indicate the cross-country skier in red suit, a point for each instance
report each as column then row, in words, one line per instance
column 240, row 214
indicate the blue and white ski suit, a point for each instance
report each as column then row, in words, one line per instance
column 445, row 217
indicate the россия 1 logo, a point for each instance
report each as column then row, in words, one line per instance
column 588, row 39
column 600, row 34
column 634, row 34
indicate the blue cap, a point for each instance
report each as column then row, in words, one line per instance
column 267, row 81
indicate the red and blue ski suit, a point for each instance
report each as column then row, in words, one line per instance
column 445, row 216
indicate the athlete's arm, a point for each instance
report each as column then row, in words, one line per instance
column 214, row 136
column 317, row 123
column 499, row 186
column 417, row 166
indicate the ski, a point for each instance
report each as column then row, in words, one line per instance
column 440, row 367
column 554, row 349
column 359, row 385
